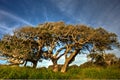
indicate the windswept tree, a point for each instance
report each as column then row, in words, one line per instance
column 100, row 59
column 54, row 45
column 19, row 49
column 54, row 40
column 77, row 39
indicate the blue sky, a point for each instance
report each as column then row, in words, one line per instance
column 96, row 13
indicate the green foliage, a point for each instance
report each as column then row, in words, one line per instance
column 9, row 72
column 102, row 73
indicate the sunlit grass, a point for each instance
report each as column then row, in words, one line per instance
column 112, row 72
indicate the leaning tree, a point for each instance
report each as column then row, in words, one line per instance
column 20, row 47
column 54, row 40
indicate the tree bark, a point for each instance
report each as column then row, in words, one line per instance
column 34, row 64
column 55, row 65
column 64, row 67
column 68, row 61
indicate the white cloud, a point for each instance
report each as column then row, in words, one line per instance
column 79, row 59
column 4, row 28
column 44, row 63
column 6, row 18
column 45, row 14
column 12, row 16
column 67, row 7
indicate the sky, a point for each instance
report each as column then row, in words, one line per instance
column 95, row 13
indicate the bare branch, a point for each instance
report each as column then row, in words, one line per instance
column 59, row 50
column 60, row 56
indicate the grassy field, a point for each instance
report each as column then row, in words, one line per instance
column 7, row 72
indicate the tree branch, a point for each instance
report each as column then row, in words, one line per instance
column 59, row 51
column 60, row 56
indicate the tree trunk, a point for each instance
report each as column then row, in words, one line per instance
column 34, row 64
column 25, row 63
column 69, row 60
column 55, row 65
column 64, row 67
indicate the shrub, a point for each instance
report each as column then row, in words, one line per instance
column 74, row 72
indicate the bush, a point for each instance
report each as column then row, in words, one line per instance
column 74, row 72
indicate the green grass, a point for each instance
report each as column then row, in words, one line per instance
column 7, row 72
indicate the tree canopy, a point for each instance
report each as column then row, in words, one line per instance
column 53, row 40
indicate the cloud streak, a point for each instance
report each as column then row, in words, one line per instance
column 93, row 13
column 45, row 14
column 5, row 29
column 12, row 16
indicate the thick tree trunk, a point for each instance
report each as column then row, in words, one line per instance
column 34, row 64
column 64, row 67
column 69, row 60
column 55, row 65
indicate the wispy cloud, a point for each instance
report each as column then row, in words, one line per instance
column 4, row 28
column 45, row 14
column 72, row 9
column 12, row 16
column 92, row 12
